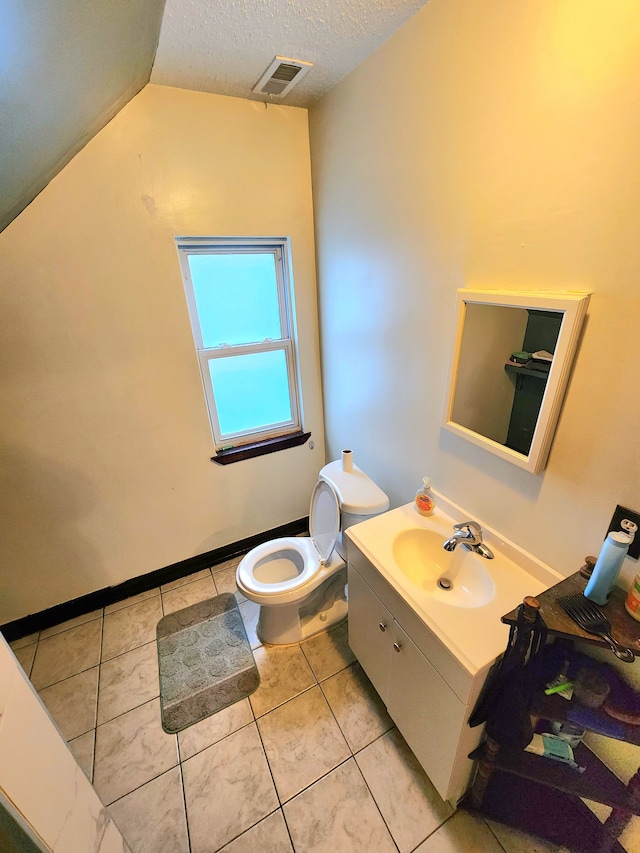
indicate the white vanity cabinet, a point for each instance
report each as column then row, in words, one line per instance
column 427, row 692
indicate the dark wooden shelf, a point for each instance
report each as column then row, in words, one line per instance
column 543, row 796
column 532, row 807
column 526, row 371
column 625, row 629
column 596, row 783
column 595, row 720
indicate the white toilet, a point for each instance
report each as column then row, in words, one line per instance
column 299, row 582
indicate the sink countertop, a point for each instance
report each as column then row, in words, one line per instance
column 474, row 634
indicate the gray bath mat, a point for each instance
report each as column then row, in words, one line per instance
column 206, row 662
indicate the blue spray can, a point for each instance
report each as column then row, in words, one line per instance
column 607, row 567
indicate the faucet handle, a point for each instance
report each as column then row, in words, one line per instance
column 475, row 531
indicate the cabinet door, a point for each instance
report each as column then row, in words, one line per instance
column 370, row 632
column 426, row 710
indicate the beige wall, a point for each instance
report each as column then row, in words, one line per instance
column 106, row 461
column 486, row 144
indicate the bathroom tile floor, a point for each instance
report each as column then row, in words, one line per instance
column 310, row 763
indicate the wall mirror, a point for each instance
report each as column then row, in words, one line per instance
column 510, row 362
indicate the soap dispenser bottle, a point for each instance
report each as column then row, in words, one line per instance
column 607, row 567
column 425, row 501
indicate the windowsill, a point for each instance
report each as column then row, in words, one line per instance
column 260, row 448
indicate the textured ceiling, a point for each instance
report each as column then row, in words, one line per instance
column 223, row 46
column 67, row 66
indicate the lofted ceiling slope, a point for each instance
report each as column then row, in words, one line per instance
column 68, row 66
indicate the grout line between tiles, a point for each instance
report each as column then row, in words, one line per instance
column 375, row 801
column 233, row 563
column 266, row 758
column 301, row 647
column 137, row 788
column 248, row 829
column 12, row 643
column 306, row 690
column 437, row 829
column 342, row 732
column 264, row 817
column 490, row 828
column 128, row 711
column 95, row 730
column 184, row 797
column 126, row 651
column 280, row 704
column 99, row 611
column 121, row 654
column 33, row 660
column 311, row 784
column 186, row 582
column 326, row 677
column 132, row 604
column 286, row 823
column 377, row 738
column 60, row 680
column 342, row 669
column 122, row 713
column 328, row 704
column 209, row 745
column 82, row 734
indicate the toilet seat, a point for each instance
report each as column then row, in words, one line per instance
column 295, row 562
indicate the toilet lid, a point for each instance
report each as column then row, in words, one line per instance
column 324, row 519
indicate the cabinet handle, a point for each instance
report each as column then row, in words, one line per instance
column 382, row 626
column 397, row 646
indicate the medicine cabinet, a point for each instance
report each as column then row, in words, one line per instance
column 511, row 358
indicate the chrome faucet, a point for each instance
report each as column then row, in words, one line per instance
column 468, row 533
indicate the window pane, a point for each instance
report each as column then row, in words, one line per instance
column 236, row 297
column 251, row 391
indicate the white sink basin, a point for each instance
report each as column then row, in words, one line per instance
column 406, row 549
column 419, row 555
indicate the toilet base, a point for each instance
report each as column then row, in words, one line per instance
column 291, row 623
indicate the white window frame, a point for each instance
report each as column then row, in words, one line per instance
column 280, row 248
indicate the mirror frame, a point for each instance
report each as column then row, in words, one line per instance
column 573, row 305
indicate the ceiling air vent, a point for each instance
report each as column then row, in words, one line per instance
column 281, row 76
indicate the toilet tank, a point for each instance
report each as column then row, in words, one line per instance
column 360, row 498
